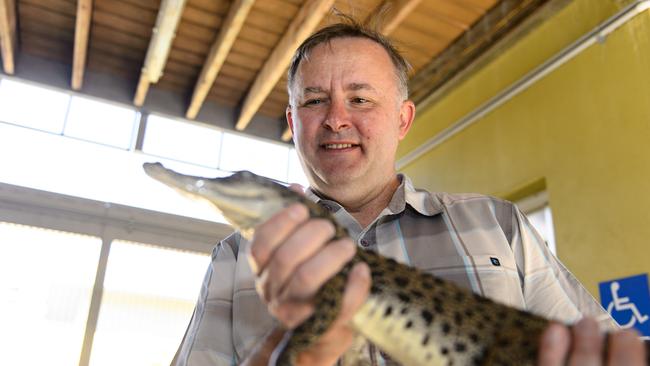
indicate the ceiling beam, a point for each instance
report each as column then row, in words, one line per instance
column 287, row 134
column 8, row 34
column 82, row 29
column 305, row 22
column 220, row 48
column 393, row 14
column 471, row 50
column 169, row 15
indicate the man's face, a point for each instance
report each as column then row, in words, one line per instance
column 346, row 113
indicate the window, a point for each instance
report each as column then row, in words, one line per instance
column 296, row 174
column 46, row 282
column 84, row 148
column 149, row 296
column 99, row 172
column 182, row 141
column 32, row 106
column 101, row 122
column 538, row 211
column 264, row 158
column 89, row 165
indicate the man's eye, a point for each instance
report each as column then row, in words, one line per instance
column 314, row 102
column 359, row 100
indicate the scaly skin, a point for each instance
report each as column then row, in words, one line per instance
column 416, row 318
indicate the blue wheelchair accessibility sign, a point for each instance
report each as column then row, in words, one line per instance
column 628, row 301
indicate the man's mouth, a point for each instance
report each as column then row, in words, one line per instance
column 338, row 146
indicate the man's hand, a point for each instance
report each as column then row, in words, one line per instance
column 293, row 257
column 585, row 345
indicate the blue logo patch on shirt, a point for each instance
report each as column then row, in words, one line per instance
column 627, row 300
column 495, row 261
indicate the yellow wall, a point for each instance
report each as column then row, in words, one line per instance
column 585, row 129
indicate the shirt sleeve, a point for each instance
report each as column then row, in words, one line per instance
column 549, row 288
column 208, row 338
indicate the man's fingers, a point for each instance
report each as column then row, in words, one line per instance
column 339, row 336
column 625, row 348
column 587, row 349
column 291, row 314
column 356, row 292
column 554, row 346
column 299, row 247
column 313, row 273
column 272, row 233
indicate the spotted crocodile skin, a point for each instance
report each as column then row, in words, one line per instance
column 414, row 317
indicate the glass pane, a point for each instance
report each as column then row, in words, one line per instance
column 296, row 174
column 46, row 280
column 32, row 106
column 101, row 122
column 260, row 157
column 542, row 220
column 99, row 172
column 182, row 141
column 149, row 296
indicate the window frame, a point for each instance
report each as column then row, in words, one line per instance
column 535, row 202
column 107, row 221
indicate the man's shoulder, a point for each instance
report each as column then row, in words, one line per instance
column 466, row 203
column 479, row 208
column 455, row 198
column 435, row 201
column 449, row 199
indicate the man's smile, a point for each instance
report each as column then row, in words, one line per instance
column 339, row 146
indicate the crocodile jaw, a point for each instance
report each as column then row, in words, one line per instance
column 245, row 203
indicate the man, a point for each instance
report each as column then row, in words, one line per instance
column 348, row 111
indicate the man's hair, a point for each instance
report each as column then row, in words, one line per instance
column 351, row 29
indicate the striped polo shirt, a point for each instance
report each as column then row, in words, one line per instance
column 479, row 242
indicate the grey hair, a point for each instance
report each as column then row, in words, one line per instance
column 351, row 29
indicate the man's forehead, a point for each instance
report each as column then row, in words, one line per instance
column 351, row 47
column 354, row 58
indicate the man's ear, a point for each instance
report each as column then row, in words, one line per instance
column 406, row 117
column 289, row 118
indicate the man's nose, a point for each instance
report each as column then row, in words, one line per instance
column 337, row 117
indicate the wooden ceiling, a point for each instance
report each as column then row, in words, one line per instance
column 236, row 53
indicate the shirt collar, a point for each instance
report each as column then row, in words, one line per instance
column 420, row 200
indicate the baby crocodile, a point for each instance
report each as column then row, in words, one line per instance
column 416, row 318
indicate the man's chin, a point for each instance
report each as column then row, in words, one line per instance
column 338, row 177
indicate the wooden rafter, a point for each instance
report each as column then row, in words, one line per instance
column 169, row 15
column 395, row 13
column 286, row 135
column 307, row 19
column 431, row 81
column 218, row 52
column 11, row 11
column 8, row 34
column 82, row 29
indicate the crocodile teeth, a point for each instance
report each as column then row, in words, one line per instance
column 337, row 146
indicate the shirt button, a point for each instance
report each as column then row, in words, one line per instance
column 365, row 243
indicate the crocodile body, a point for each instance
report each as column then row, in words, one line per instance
column 416, row 318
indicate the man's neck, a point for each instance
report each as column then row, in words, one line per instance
column 365, row 206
